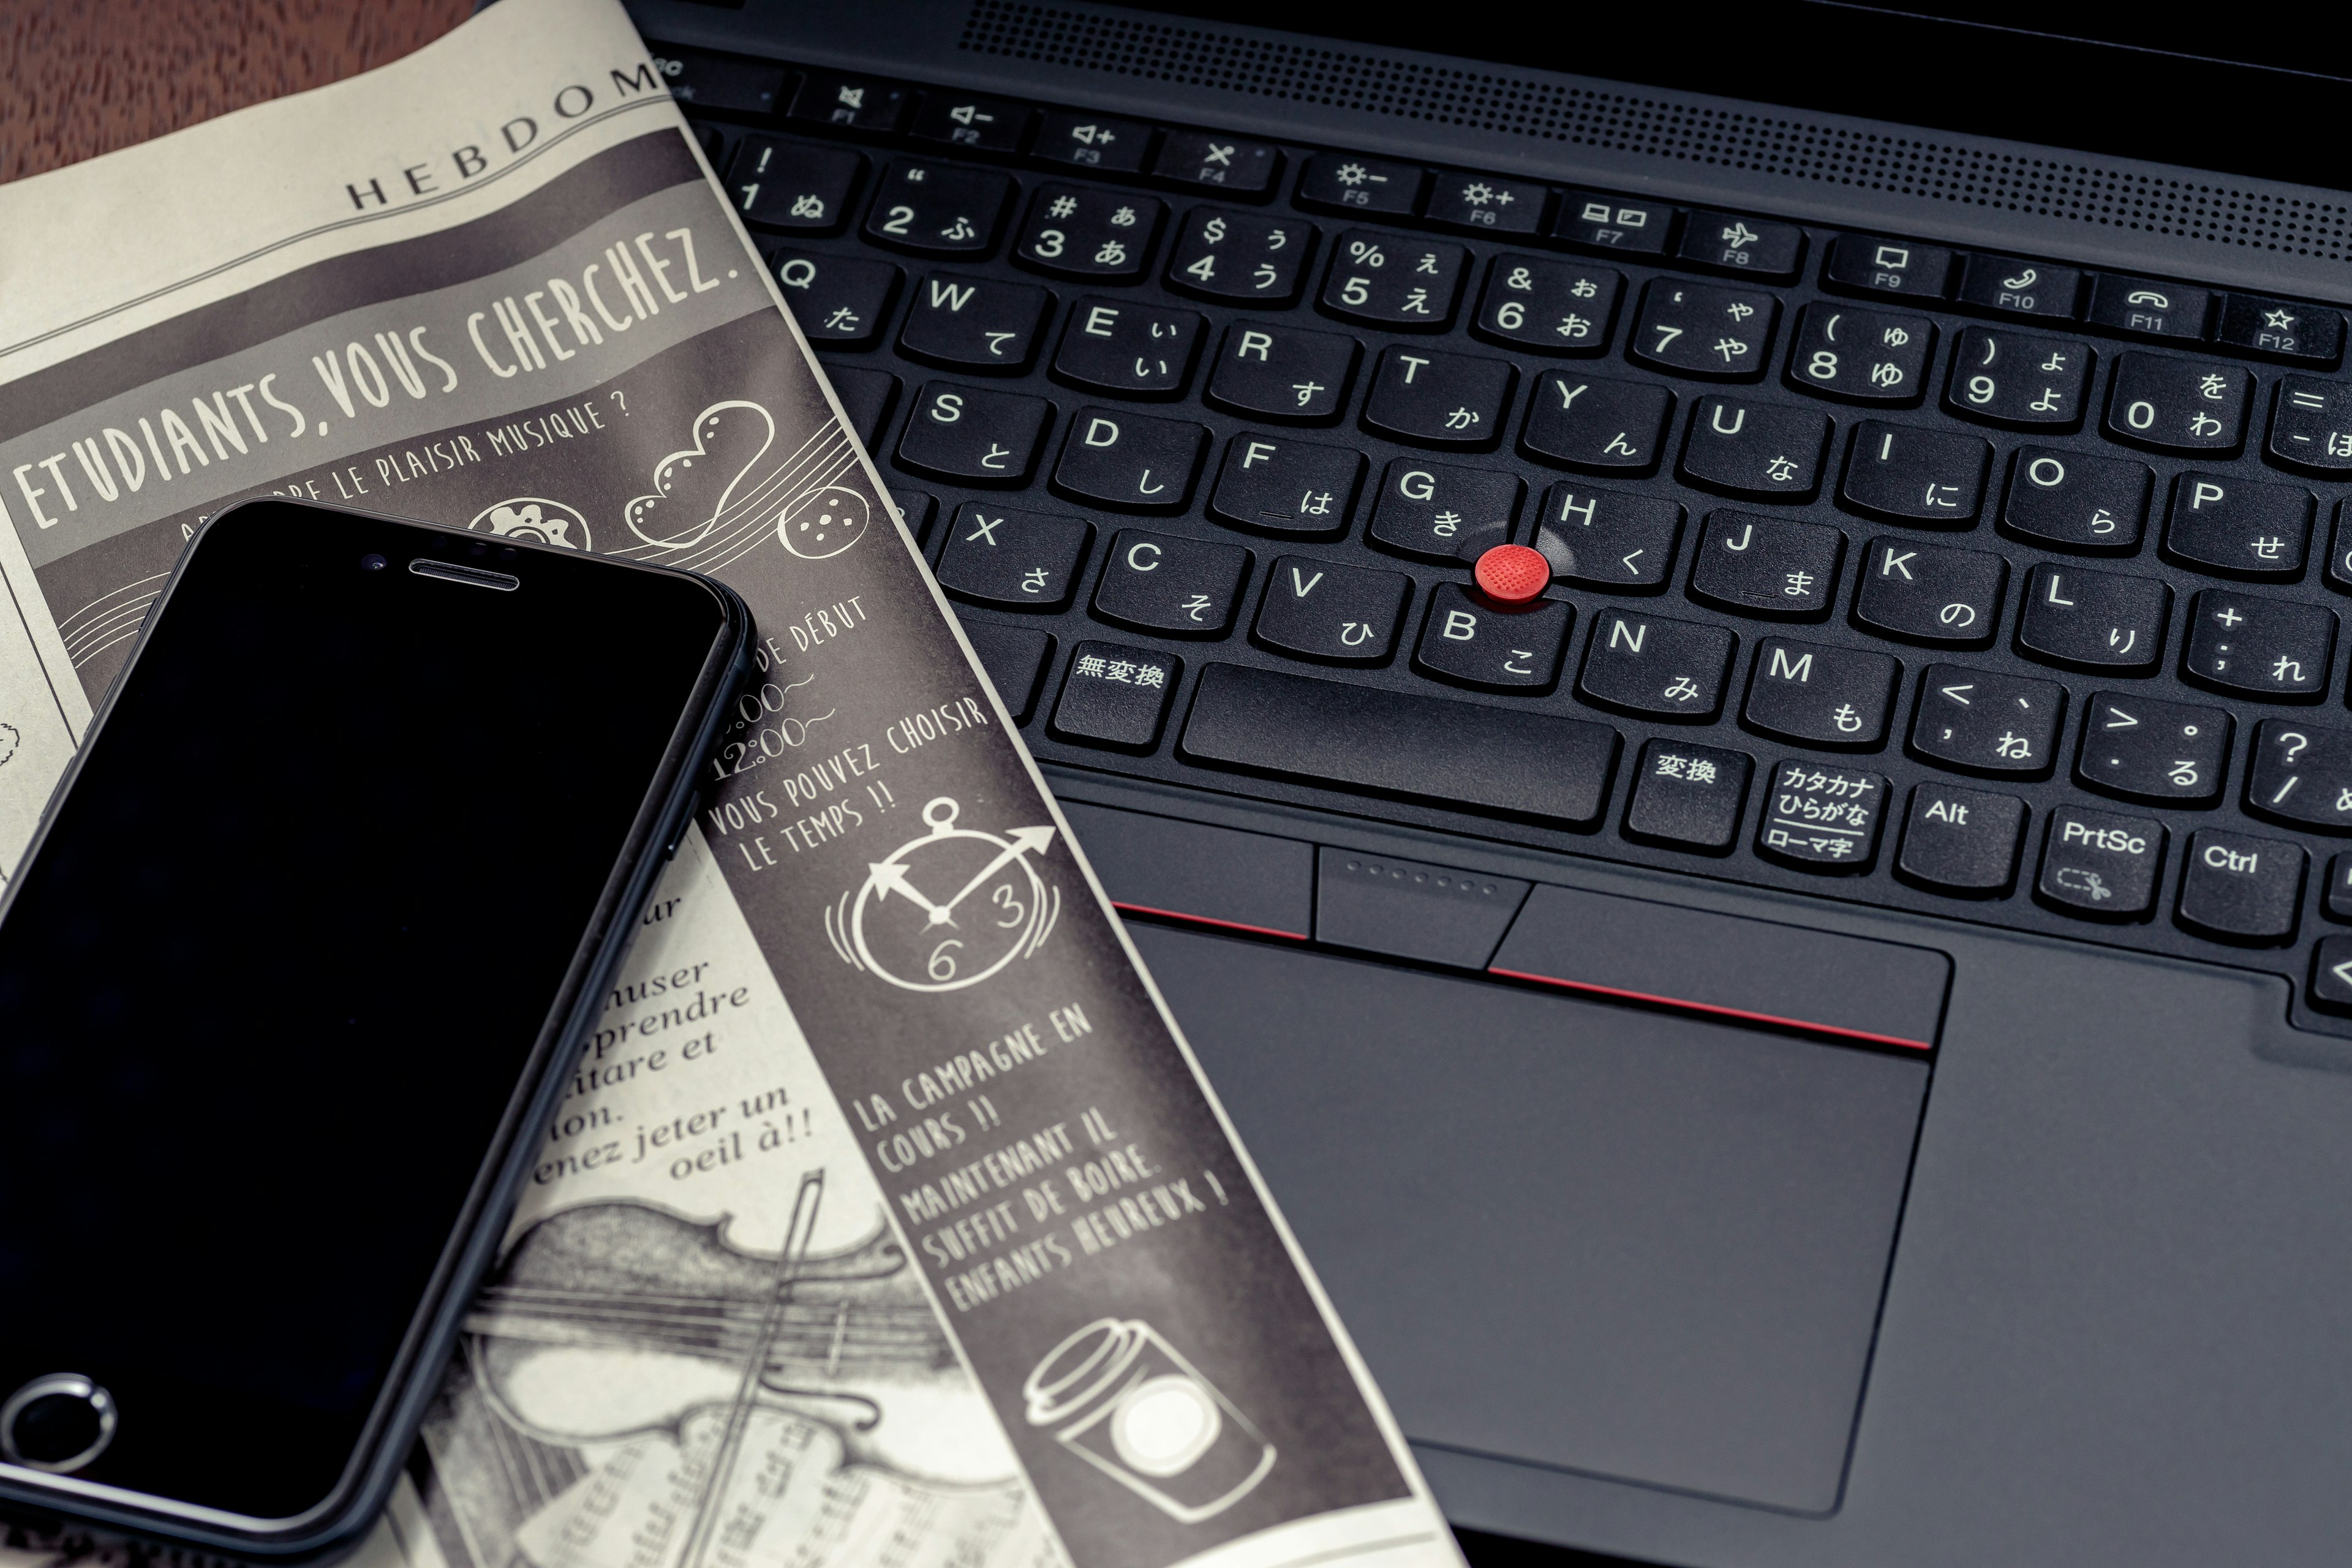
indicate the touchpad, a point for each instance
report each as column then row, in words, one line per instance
column 1612, row 1240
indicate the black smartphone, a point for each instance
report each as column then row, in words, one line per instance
column 289, row 978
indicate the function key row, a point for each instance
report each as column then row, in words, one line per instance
column 1471, row 202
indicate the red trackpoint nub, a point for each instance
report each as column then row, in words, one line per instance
column 1513, row 574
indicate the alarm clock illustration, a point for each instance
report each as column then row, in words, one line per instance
column 949, row 908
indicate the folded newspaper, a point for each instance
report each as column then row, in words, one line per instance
column 1045, row 1309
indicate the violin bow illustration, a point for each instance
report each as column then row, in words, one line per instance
column 797, row 1237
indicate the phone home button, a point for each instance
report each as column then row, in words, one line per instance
column 58, row 1423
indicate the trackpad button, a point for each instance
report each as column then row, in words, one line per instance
column 1634, row 1243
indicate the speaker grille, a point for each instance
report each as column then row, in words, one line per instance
column 1780, row 147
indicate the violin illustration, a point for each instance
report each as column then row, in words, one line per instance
column 620, row 1319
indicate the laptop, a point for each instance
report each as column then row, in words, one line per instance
column 1706, row 651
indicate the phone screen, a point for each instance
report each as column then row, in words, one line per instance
column 271, row 981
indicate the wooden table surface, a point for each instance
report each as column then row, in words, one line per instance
column 78, row 77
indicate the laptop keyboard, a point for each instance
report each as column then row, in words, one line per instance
column 1973, row 584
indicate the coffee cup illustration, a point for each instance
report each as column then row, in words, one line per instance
column 1126, row 1401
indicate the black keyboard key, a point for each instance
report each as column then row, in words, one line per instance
column 2177, row 404
column 1767, row 565
column 974, row 435
column 1437, row 511
column 2100, row 866
column 1117, row 458
column 1271, row 484
column 1929, row 594
column 973, row 122
column 2144, row 308
column 1983, row 723
column 867, row 398
column 1284, row 373
column 1868, row 265
column 2338, row 899
column 1321, row 610
column 1860, row 356
column 793, row 185
column 1822, row 819
column 1240, row 258
column 849, row 102
column 2301, row 774
column 1657, row 667
column 1763, row 450
column 918, row 510
column 2338, row 572
column 1348, row 182
column 1688, row 797
column 1730, row 243
column 937, row 209
column 714, row 141
column 2240, row 889
column 2025, row 383
column 1168, row 584
column 2311, row 426
column 974, row 324
column 1605, row 426
column 2008, row 287
column 1095, row 142
column 1015, row 659
column 1465, row 756
column 1696, row 329
column 1386, row 281
column 1963, row 842
column 1090, row 232
column 1608, row 539
column 1932, row 477
column 703, row 79
column 2331, row 974
column 1473, row 642
column 1115, row 696
column 2281, row 329
column 2077, row 502
column 1810, row 692
column 2245, row 528
column 1432, row 398
column 1128, row 348
column 2092, row 620
column 1613, row 223
column 1211, row 158
column 1481, row 203
column 2267, row 648
column 1013, row 560
column 1551, row 306
column 2167, row 754
column 840, row 301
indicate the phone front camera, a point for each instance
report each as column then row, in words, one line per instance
column 371, row 563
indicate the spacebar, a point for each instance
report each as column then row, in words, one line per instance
column 1466, row 755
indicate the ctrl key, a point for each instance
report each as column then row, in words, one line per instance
column 2100, row 866
column 1115, row 696
column 2240, row 889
